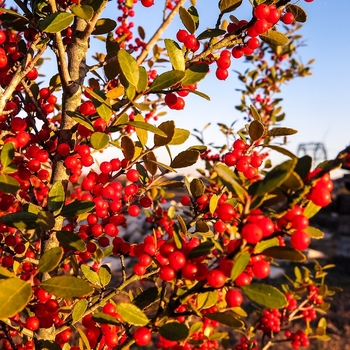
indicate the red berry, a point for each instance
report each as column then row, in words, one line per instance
column 225, row 212
column 234, row 298
column 167, row 273
column 216, row 278
column 300, row 240
column 221, row 73
column 288, row 18
column 142, row 336
column 190, row 42
column 252, row 233
column 261, row 11
column 261, row 269
column 181, row 35
column 32, row 323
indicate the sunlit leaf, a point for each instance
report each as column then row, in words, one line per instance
column 175, row 54
column 226, row 6
column 129, row 67
column 99, row 140
column 50, row 259
column 240, row 264
column 104, row 26
column 265, row 295
column 56, row 22
column 166, row 80
column 83, row 11
column 275, row 38
column 56, row 198
column 131, row 314
column 185, row 159
column 187, row 20
column 79, row 309
column 7, row 154
column 8, row 184
column 71, row 240
column 194, row 74
column 21, row 220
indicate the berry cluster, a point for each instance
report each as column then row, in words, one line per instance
column 299, row 338
column 270, row 322
column 246, row 344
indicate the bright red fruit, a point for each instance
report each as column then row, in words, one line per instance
column 252, row 233
column 226, row 212
column 300, row 240
column 216, row 278
column 142, row 336
column 234, row 298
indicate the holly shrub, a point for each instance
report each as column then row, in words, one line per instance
column 198, row 275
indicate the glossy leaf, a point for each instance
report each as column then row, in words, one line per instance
column 231, row 181
column 226, row 6
column 104, row 26
column 14, row 296
column 227, row 318
column 256, row 130
column 146, row 298
column 167, row 80
column 70, row 240
column 56, row 22
column 168, row 128
column 115, row 92
column 265, row 295
column 131, row 314
column 187, row 20
column 263, row 245
column 180, row 136
column 311, row 210
column 103, row 318
column 298, row 12
column 207, row 299
column 5, row 273
column 314, row 232
column 128, row 147
column 273, row 179
column 194, row 13
column 151, row 163
column 148, row 127
column 56, row 198
column 272, row 37
column 211, row 33
column 194, row 74
column 79, row 309
column 175, row 54
column 239, row 265
column 185, row 159
column 7, row 154
column 129, row 67
column 90, row 275
column 21, row 220
column 201, row 250
column 105, row 275
column 201, row 94
column 50, row 259
column 8, row 184
column 67, row 287
column 99, row 140
column 175, row 331
column 76, row 208
column 282, row 151
column 278, row 131
column 143, row 80
column 81, row 120
column 293, row 182
column 111, row 68
column 83, row 11
column 284, row 253
column 213, row 203
column 84, row 339
column 255, row 114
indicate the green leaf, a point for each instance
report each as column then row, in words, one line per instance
column 70, row 240
column 314, row 232
column 180, row 136
column 197, row 187
column 303, row 166
column 231, row 181
column 56, row 22
column 81, row 120
column 131, row 314
column 255, row 114
column 185, row 159
column 273, row 179
column 148, row 127
column 194, row 13
column 201, row 94
column 240, row 264
column 111, row 68
column 284, row 253
column 21, row 220
column 213, row 203
column 67, row 287
column 166, row 80
column 105, row 275
column 265, row 295
column 77, row 208
column 227, row 318
column 99, row 140
column 263, row 245
column 128, row 147
column 201, row 250
column 8, row 184
column 211, row 33
column 282, row 150
column 14, row 296
column 278, row 131
column 182, row 223
column 103, row 318
column 175, row 54
column 143, row 80
column 272, row 37
column 129, row 67
column 207, row 299
column 50, row 345
column 104, row 26
column 83, row 11
column 299, row 13
column 175, row 331
column 187, row 20
column 146, row 298
column 226, row 6
column 7, row 154
column 79, row 309
column 256, row 130
column 311, row 210
column 168, row 128
column 194, row 74
column 5, row 273
column 50, row 259
column 56, row 198
column 90, row 275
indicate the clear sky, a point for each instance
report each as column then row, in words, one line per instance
column 317, row 106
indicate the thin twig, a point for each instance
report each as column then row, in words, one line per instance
column 159, row 32
column 8, row 336
column 122, row 262
column 23, row 7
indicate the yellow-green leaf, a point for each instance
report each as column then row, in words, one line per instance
column 8, row 184
column 21, row 220
column 261, row 246
column 207, row 299
column 194, row 74
column 50, row 259
column 148, row 127
column 275, row 38
column 14, row 296
column 284, row 253
column 83, row 11
column 99, row 140
column 175, row 331
column 79, row 309
column 104, row 26
column 180, row 136
column 71, row 240
column 226, row 6
column 143, row 80
column 240, row 264
column 175, row 54
column 187, row 20
column 67, row 287
column 227, row 318
column 7, row 154
column 76, row 208
column 314, row 232
column 166, row 80
column 56, row 198
column 131, row 314
column 129, row 67
column 265, row 295
column 56, row 22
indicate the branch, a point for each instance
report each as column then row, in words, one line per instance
column 23, row 7
column 159, row 32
